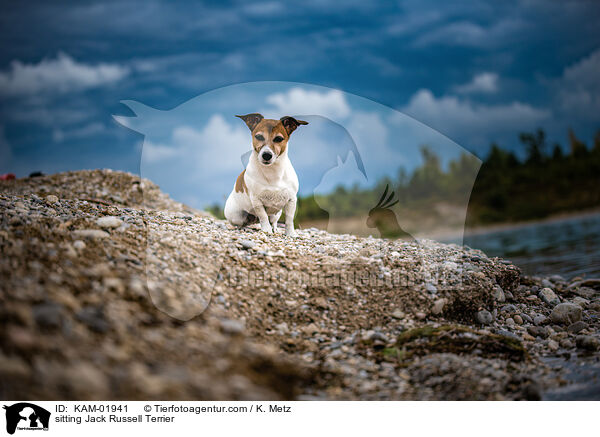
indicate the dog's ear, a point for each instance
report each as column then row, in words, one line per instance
column 290, row 123
column 251, row 120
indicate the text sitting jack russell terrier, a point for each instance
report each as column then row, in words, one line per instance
column 269, row 183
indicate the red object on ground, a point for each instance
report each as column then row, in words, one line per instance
column 7, row 177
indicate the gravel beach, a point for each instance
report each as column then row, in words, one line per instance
column 111, row 290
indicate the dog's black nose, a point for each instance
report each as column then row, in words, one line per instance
column 267, row 156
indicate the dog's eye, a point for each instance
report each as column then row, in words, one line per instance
column 259, row 137
column 277, row 139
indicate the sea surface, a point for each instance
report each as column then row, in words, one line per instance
column 568, row 246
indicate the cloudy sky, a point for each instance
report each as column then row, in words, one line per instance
column 476, row 72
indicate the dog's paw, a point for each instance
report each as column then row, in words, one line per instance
column 291, row 233
column 266, row 228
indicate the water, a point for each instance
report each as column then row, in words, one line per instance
column 582, row 375
column 568, row 247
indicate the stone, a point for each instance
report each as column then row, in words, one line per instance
column 538, row 331
column 587, row 342
column 566, row 343
column 566, row 313
column 282, row 328
column 51, row 199
column 552, row 345
column 48, row 315
column 231, row 326
column 586, row 292
column 582, row 302
column 526, row 318
column 377, row 336
column 510, row 321
column 109, row 222
column 484, row 317
column 94, row 318
column 498, row 294
column 540, row 320
column 247, row 244
column 510, row 309
column 546, row 283
column 321, row 303
column 397, row 314
column 92, row 234
column 548, row 296
column 576, row 327
column 78, row 244
column 518, row 319
column 438, row 306
column 310, row 329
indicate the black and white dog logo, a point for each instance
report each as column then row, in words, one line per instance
column 26, row 416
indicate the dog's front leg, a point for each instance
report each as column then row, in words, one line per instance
column 259, row 211
column 290, row 211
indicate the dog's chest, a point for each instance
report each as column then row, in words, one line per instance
column 274, row 199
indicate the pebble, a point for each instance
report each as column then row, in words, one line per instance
column 78, row 244
column 538, row 331
column 527, row 318
column 438, row 306
column 510, row 308
column 92, row 234
column 566, row 343
column 108, row 222
column 397, row 314
column 321, row 303
column 518, row 319
column 94, row 318
column 566, row 313
column 548, row 296
column 582, row 302
column 310, row 329
column 576, row 327
column 498, row 294
column 552, row 345
column 484, row 317
column 540, row 320
column 282, row 328
column 231, row 326
column 587, row 342
column 51, row 199
column 48, row 315
column 247, row 244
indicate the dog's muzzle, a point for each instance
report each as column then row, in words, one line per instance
column 267, row 157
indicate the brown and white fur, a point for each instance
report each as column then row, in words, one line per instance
column 269, row 184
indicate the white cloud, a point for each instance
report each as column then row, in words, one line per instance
column 298, row 101
column 485, row 82
column 579, row 87
column 59, row 75
column 470, row 34
column 59, row 135
column 462, row 118
column 191, row 146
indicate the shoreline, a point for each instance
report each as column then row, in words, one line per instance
column 554, row 218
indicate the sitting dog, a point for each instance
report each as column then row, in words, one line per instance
column 269, row 183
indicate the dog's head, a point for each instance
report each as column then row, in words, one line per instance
column 270, row 137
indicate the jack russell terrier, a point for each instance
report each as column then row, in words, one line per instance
column 269, row 183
